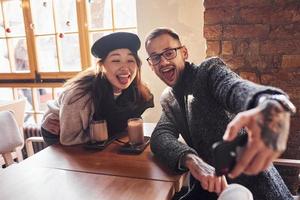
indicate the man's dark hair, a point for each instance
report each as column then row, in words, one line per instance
column 160, row 31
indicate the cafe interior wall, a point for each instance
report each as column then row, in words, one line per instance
column 186, row 18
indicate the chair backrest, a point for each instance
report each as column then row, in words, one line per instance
column 17, row 107
column 9, row 132
column 10, row 135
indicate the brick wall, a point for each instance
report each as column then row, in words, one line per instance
column 260, row 40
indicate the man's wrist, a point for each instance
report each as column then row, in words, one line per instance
column 280, row 98
column 275, row 110
column 187, row 159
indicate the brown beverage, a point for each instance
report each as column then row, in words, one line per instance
column 135, row 131
column 98, row 131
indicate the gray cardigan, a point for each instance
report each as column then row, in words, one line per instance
column 74, row 119
column 199, row 107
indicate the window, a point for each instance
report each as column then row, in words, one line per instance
column 13, row 46
column 45, row 42
column 108, row 16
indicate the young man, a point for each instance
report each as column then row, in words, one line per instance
column 204, row 102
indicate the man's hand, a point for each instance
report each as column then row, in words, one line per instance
column 268, row 128
column 205, row 173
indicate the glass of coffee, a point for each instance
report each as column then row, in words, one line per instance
column 135, row 131
column 98, row 131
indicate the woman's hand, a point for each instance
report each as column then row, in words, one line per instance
column 51, row 124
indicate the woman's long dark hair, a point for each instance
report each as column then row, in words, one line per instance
column 89, row 82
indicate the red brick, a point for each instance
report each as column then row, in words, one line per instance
column 251, row 76
column 254, row 47
column 212, row 32
column 295, row 125
column 255, row 15
column 219, row 15
column 294, row 93
column 245, row 31
column 290, row 61
column 285, row 31
column 295, row 80
column 234, row 62
column 242, row 47
column 256, row 61
column 284, row 79
column 280, row 3
column 218, row 3
column 213, row 48
column 255, row 3
column 280, row 47
column 269, row 79
column 283, row 15
column 227, row 48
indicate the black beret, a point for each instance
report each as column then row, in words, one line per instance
column 117, row 40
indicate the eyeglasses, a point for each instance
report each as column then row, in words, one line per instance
column 167, row 54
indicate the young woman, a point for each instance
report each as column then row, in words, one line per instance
column 112, row 91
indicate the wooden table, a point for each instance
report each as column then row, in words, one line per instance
column 18, row 183
column 62, row 172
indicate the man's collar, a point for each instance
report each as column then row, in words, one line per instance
column 183, row 82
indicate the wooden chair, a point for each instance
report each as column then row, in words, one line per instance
column 17, row 108
column 29, row 144
column 33, row 139
column 289, row 163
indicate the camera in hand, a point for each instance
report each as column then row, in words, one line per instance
column 225, row 154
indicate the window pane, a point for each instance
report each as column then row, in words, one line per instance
column 98, row 35
column 44, row 95
column 29, row 119
column 100, row 14
column 39, row 118
column 42, row 16
column 6, row 95
column 47, row 56
column 14, row 17
column 4, row 61
column 27, row 94
column 2, row 29
column 66, row 16
column 20, row 55
column 70, row 53
column 125, row 13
